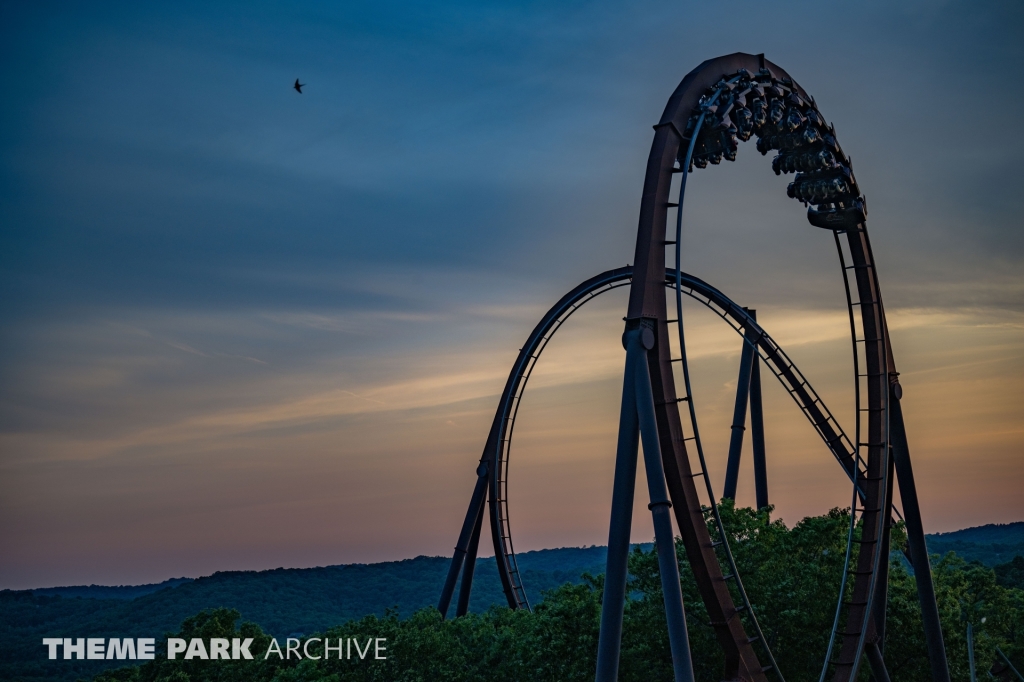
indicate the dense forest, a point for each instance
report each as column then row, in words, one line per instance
column 790, row 573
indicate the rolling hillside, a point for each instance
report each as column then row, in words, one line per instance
column 993, row 544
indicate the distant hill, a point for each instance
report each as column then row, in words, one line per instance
column 993, row 544
column 108, row 591
column 1003, row 533
column 327, row 595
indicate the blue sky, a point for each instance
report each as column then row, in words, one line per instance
column 228, row 309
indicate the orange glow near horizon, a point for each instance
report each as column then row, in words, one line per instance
column 304, row 474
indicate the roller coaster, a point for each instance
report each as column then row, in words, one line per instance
column 717, row 105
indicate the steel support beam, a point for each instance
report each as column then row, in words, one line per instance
column 637, row 420
column 881, row 604
column 466, row 588
column 668, row 563
column 474, row 512
column 757, row 430
column 614, row 600
column 739, row 415
column 876, row 663
column 915, row 537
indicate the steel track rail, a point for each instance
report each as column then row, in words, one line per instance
column 857, row 435
column 775, row 358
column 773, row 107
column 733, row 98
column 504, row 422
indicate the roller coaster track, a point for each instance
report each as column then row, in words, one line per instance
column 720, row 103
column 497, row 456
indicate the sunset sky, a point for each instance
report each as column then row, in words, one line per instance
column 243, row 328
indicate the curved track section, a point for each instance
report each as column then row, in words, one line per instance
column 783, row 117
column 498, row 444
column 775, row 358
column 717, row 105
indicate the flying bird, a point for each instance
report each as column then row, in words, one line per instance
column 298, row 86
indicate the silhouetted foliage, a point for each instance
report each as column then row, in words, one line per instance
column 790, row 574
column 1011, row 574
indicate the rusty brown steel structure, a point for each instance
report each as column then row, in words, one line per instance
column 721, row 102
column 647, row 300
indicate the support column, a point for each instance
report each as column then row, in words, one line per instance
column 614, row 601
column 757, row 429
column 915, row 537
column 462, row 608
column 474, row 512
column 739, row 417
column 875, row 662
column 881, row 605
column 637, row 418
column 668, row 562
